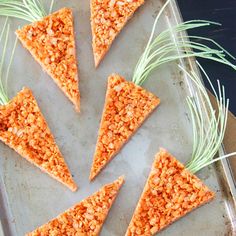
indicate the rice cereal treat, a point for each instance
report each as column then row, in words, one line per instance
column 51, row 42
column 126, row 107
column 85, row 218
column 171, row 192
column 108, row 17
column 23, row 128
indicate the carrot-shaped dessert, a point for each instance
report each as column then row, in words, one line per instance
column 127, row 104
column 23, row 128
column 107, row 20
column 50, row 40
column 126, row 108
column 172, row 190
column 85, row 218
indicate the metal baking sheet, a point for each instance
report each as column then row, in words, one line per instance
column 29, row 198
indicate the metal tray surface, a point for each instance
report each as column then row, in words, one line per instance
column 29, row 198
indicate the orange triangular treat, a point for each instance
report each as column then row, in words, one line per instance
column 170, row 193
column 107, row 20
column 126, row 107
column 85, row 218
column 23, row 128
column 51, row 42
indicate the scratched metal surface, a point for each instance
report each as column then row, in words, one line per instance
column 30, row 198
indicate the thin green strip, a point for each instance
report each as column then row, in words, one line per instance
column 28, row 10
column 4, row 38
column 172, row 44
column 208, row 128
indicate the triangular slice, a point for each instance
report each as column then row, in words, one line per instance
column 23, row 128
column 170, row 193
column 51, row 42
column 108, row 17
column 85, row 218
column 126, row 107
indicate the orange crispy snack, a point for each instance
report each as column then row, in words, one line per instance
column 170, row 193
column 126, row 108
column 108, row 17
column 86, row 218
column 51, row 42
column 23, row 128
